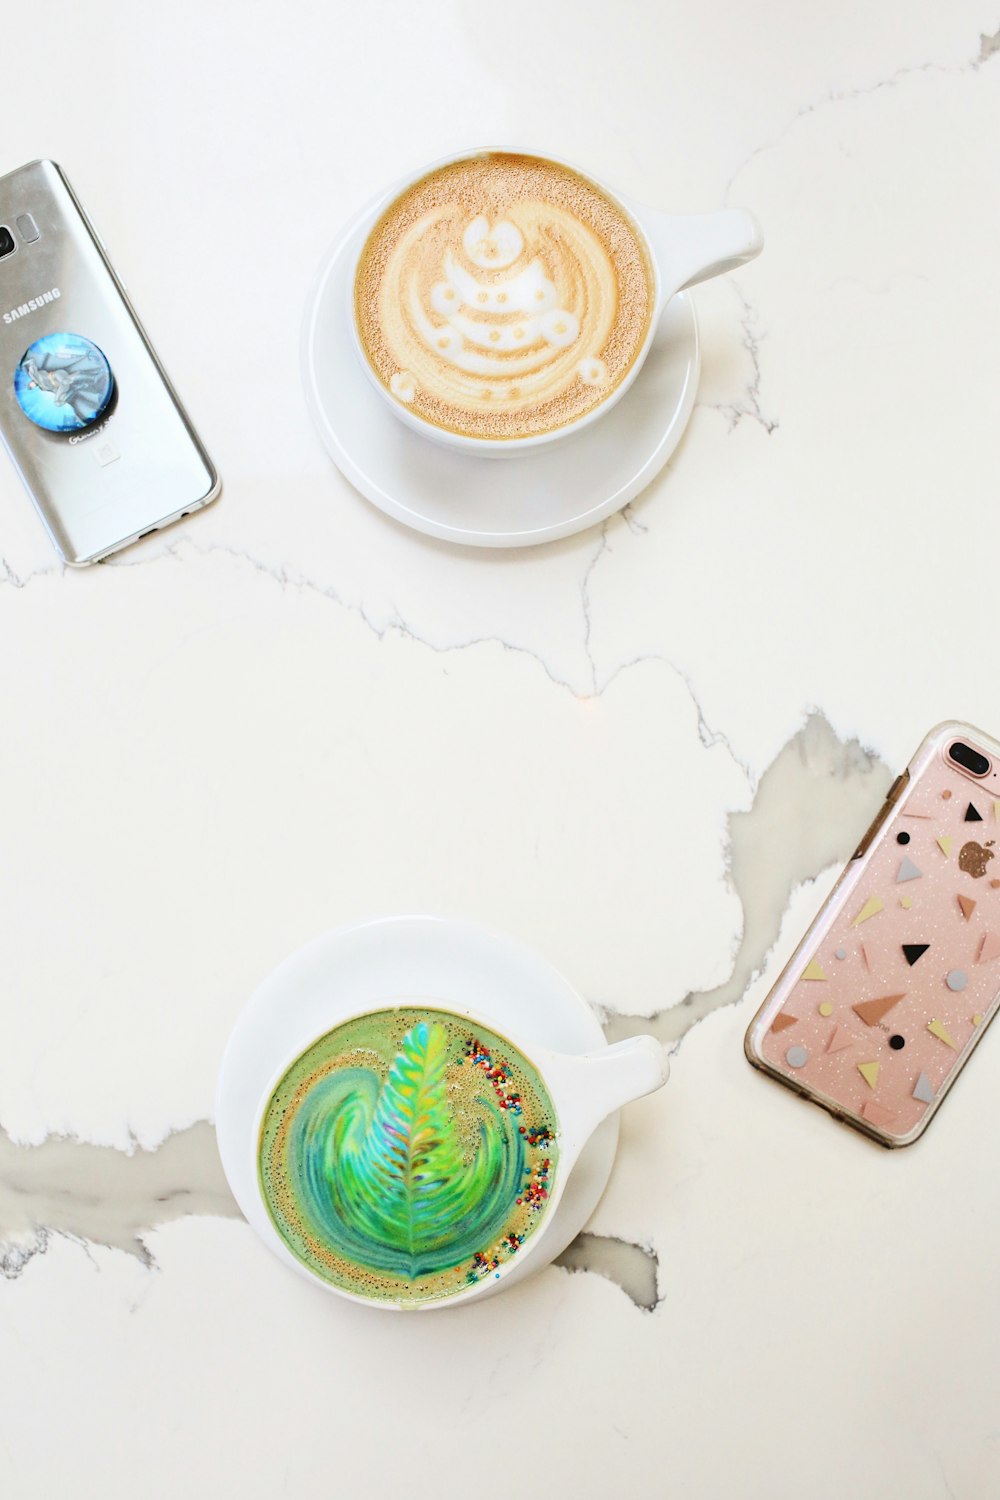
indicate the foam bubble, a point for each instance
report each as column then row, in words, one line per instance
column 593, row 371
column 560, row 328
column 403, row 385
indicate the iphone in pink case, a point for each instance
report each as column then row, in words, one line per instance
column 887, row 995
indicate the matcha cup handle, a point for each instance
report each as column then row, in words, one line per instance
column 592, row 1086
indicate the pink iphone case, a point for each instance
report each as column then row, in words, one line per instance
column 885, row 998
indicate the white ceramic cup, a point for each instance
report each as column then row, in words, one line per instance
column 683, row 249
column 584, row 1090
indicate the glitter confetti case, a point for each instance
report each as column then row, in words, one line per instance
column 892, row 987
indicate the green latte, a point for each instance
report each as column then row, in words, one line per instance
column 408, row 1154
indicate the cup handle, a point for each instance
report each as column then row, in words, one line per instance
column 693, row 247
column 598, row 1083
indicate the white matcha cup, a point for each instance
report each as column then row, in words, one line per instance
column 304, row 998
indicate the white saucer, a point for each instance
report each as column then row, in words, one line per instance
column 520, row 501
column 359, row 967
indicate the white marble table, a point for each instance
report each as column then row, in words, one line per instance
column 643, row 751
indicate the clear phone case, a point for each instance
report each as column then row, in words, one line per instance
column 134, row 463
column 892, row 987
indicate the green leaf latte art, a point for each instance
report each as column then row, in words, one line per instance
column 407, row 1154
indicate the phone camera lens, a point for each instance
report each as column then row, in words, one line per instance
column 969, row 759
column 7, row 246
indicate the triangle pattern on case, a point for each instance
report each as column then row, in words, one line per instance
column 940, row 1030
column 872, row 1011
column 989, row 948
column 923, row 1090
column 870, row 909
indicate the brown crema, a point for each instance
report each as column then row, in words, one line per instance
column 503, row 296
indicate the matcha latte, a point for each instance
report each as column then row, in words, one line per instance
column 408, row 1154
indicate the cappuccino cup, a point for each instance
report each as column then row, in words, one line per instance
column 503, row 300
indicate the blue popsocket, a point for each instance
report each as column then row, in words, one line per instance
column 63, row 382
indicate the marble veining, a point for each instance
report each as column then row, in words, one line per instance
column 815, row 769
column 98, row 1194
column 748, row 405
column 632, row 1267
column 102, row 1196
column 988, row 46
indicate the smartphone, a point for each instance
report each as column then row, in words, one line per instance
column 87, row 414
column 893, row 986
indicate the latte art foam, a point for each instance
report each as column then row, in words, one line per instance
column 503, row 296
column 408, row 1154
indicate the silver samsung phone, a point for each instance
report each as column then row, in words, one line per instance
column 87, row 414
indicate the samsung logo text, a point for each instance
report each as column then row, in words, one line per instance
column 32, row 305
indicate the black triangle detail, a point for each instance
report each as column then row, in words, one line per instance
column 972, row 816
column 913, row 951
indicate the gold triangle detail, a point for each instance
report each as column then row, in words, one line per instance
column 813, row 970
column 944, row 844
column 870, row 909
column 869, row 1072
column 938, row 1029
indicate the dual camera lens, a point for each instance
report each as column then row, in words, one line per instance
column 7, row 246
column 970, row 760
